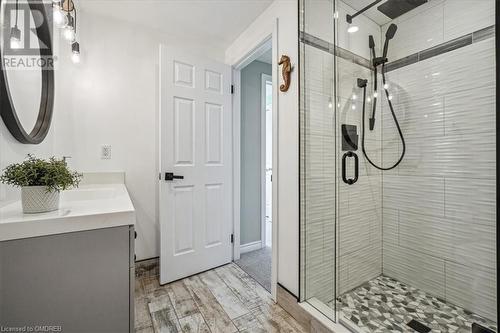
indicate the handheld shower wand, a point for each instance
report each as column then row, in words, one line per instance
column 391, row 31
column 377, row 61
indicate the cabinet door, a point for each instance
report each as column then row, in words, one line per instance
column 79, row 281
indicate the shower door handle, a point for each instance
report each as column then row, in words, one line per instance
column 350, row 181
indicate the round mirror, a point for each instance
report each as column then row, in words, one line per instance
column 26, row 79
column 25, row 84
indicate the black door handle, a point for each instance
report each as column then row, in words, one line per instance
column 350, row 181
column 169, row 176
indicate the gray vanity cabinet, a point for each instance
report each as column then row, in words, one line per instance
column 80, row 281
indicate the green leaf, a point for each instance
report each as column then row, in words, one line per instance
column 52, row 173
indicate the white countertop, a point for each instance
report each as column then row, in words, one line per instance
column 89, row 207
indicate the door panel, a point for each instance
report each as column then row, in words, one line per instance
column 183, row 219
column 184, row 131
column 196, row 143
column 215, row 134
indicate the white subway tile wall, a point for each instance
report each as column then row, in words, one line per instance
column 439, row 205
column 318, row 197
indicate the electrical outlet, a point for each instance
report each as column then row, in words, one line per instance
column 105, row 152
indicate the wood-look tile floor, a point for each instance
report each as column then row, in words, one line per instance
column 225, row 300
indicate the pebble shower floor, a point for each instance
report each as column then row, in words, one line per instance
column 387, row 305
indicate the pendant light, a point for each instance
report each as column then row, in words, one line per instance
column 65, row 17
column 69, row 29
column 75, row 49
column 15, row 32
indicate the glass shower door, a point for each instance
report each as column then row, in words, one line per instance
column 318, row 174
column 416, row 245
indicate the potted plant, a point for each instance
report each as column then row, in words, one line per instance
column 40, row 182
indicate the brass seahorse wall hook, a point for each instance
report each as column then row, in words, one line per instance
column 286, row 70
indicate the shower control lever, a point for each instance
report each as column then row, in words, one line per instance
column 346, row 180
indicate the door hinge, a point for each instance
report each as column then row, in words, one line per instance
column 232, row 238
column 159, row 176
column 232, row 89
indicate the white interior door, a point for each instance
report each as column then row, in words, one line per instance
column 195, row 212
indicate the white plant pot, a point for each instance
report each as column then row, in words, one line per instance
column 36, row 199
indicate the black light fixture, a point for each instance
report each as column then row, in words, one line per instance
column 15, row 38
column 75, row 49
column 15, row 32
column 67, row 14
column 69, row 29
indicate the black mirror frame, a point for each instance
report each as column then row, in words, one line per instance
column 7, row 108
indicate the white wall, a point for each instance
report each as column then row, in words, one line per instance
column 109, row 98
column 251, row 128
column 285, row 11
column 112, row 100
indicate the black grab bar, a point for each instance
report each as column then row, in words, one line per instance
column 346, row 180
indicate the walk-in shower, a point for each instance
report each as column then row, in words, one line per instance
column 398, row 230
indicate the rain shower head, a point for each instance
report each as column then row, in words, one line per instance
column 396, row 8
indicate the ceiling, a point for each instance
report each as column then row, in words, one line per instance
column 213, row 22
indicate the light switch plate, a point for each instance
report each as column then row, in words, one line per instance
column 105, row 152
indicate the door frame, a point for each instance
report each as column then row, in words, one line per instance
column 263, row 155
column 260, row 47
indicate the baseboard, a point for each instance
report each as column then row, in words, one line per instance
column 147, row 267
column 249, row 247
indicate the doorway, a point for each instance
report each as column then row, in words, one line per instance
column 256, row 165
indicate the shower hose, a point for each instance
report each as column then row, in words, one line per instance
column 393, row 116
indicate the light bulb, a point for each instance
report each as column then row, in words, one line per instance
column 75, row 57
column 69, row 34
column 15, row 44
column 386, row 86
column 15, row 38
column 59, row 18
column 353, row 107
column 390, row 97
column 368, row 99
column 352, row 29
column 354, row 97
column 75, row 49
column 69, row 29
column 330, row 104
column 375, row 94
